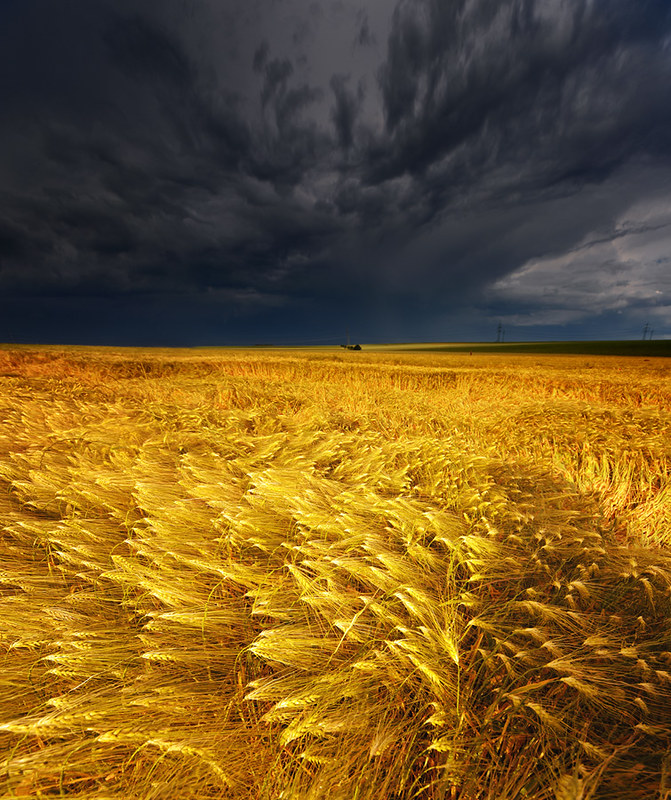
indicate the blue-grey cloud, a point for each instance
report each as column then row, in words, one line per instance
column 406, row 157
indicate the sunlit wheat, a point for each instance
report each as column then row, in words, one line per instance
column 231, row 574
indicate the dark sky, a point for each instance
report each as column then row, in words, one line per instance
column 189, row 172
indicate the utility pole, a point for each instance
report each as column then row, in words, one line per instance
column 645, row 331
column 499, row 333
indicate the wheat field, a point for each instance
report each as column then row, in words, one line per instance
column 321, row 574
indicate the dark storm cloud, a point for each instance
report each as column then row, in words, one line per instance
column 345, row 110
column 277, row 72
column 497, row 111
column 578, row 89
column 331, row 155
column 260, row 56
column 364, row 36
column 108, row 202
column 143, row 50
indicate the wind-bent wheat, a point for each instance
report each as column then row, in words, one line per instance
column 231, row 574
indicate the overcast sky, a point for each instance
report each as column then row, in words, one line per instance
column 190, row 172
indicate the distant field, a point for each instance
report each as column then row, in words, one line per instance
column 661, row 347
column 306, row 574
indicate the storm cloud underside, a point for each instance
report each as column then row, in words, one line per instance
column 181, row 173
